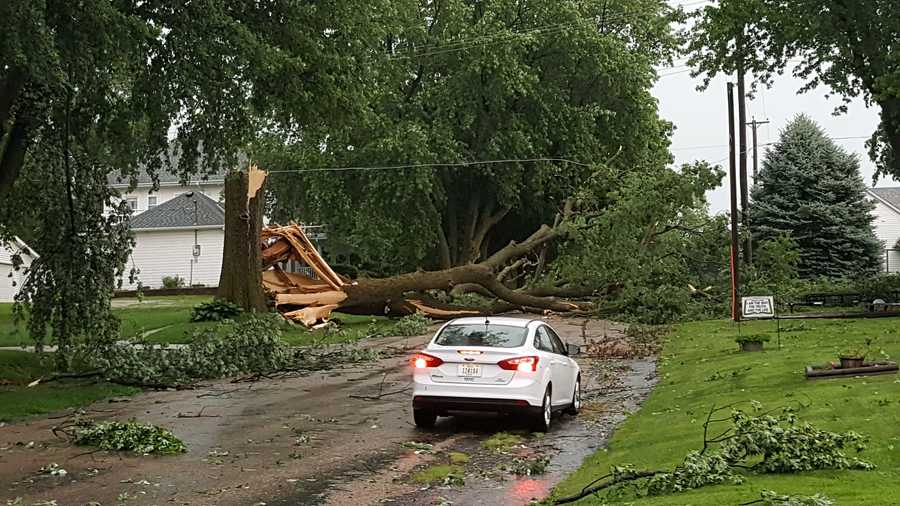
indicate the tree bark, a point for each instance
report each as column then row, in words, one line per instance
column 241, row 279
column 12, row 156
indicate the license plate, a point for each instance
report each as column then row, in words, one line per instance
column 469, row 370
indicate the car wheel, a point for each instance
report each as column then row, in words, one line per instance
column 424, row 419
column 575, row 407
column 541, row 421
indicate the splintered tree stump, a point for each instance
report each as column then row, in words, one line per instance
column 241, row 279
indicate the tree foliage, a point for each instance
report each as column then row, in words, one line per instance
column 849, row 46
column 646, row 236
column 471, row 81
column 811, row 189
column 96, row 87
column 761, row 443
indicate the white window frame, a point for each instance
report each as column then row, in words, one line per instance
column 152, row 202
column 132, row 203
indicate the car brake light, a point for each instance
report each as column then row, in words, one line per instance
column 525, row 364
column 424, row 360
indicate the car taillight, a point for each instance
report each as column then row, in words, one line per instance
column 527, row 364
column 424, row 360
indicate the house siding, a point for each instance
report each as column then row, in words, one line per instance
column 11, row 279
column 887, row 230
column 159, row 253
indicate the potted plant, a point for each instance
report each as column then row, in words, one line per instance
column 752, row 342
column 854, row 356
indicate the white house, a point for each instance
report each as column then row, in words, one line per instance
column 887, row 224
column 183, row 236
column 10, row 278
column 143, row 197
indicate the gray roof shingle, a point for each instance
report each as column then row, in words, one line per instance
column 143, row 179
column 889, row 195
column 179, row 213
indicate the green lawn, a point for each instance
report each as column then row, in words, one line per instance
column 700, row 366
column 159, row 320
column 18, row 368
column 167, row 320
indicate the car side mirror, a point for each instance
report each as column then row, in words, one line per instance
column 572, row 349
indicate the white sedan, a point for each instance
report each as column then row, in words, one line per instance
column 504, row 365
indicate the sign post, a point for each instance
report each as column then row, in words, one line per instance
column 761, row 308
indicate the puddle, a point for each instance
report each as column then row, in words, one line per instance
column 569, row 442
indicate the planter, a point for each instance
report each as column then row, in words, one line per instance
column 870, row 369
column 851, row 362
column 751, row 346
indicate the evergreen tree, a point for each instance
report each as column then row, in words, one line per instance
column 811, row 189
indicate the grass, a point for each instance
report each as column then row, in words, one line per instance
column 439, row 473
column 459, row 458
column 158, row 320
column 501, row 441
column 168, row 320
column 700, row 366
column 18, row 368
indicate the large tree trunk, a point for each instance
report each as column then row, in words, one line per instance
column 241, row 278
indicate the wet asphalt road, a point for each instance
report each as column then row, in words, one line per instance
column 305, row 440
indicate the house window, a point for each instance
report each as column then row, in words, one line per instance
column 132, row 203
column 151, row 202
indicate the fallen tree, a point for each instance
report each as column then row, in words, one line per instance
column 311, row 299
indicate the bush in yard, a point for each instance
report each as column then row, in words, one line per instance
column 412, row 325
column 175, row 281
column 215, row 311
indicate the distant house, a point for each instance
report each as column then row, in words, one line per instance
column 887, row 224
column 10, row 278
column 182, row 236
column 143, row 197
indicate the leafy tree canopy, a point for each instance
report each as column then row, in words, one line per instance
column 811, row 189
column 466, row 81
column 94, row 87
column 850, row 46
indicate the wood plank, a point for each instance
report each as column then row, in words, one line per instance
column 310, row 299
column 309, row 316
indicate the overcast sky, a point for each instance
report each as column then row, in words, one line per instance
column 701, row 121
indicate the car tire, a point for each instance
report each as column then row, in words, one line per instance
column 575, row 407
column 425, row 419
column 541, row 421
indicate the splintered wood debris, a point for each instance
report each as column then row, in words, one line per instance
column 299, row 297
column 310, row 299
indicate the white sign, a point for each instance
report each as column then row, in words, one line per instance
column 758, row 307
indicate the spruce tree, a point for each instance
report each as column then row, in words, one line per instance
column 811, row 188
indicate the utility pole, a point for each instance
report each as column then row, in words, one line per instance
column 754, row 124
column 735, row 267
column 742, row 120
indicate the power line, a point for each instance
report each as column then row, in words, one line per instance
column 665, row 74
column 429, row 165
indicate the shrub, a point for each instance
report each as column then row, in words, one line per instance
column 412, row 325
column 175, row 281
column 752, row 338
column 215, row 311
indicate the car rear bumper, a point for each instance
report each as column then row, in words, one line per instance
column 442, row 404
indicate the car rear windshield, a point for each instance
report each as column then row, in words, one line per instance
column 495, row 336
